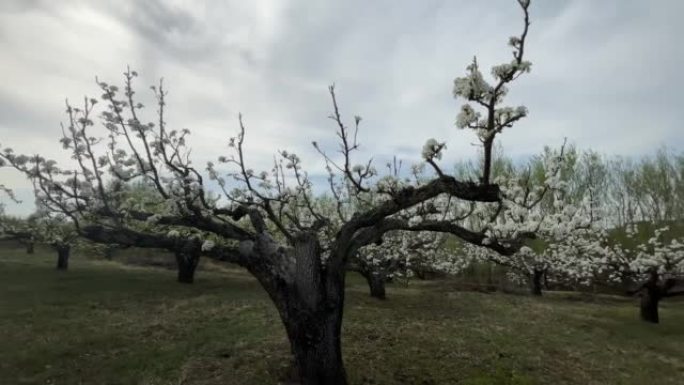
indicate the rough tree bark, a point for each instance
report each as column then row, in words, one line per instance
column 315, row 342
column 375, row 276
column 310, row 300
column 63, row 252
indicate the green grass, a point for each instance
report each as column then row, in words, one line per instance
column 106, row 323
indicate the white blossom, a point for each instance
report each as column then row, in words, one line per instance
column 432, row 149
column 207, row 245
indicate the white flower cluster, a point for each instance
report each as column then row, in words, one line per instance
column 207, row 245
column 432, row 149
column 472, row 86
column 467, row 117
column 563, row 247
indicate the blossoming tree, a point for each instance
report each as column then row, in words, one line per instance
column 538, row 199
column 655, row 263
column 399, row 253
column 267, row 222
column 46, row 228
column 17, row 229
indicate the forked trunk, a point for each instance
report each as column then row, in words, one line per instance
column 649, row 305
column 536, row 282
column 310, row 301
column 63, row 257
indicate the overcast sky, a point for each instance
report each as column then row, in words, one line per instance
column 606, row 74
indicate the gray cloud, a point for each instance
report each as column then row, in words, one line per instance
column 605, row 74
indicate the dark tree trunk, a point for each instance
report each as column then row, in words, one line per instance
column 486, row 168
column 649, row 305
column 490, row 278
column 651, row 294
column 187, row 257
column 316, row 345
column 29, row 247
column 536, row 282
column 187, row 263
column 63, row 257
column 376, row 284
column 310, row 300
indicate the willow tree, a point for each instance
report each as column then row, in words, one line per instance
column 267, row 222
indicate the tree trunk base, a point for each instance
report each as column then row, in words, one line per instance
column 376, row 284
column 186, row 276
column 187, row 263
column 536, row 283
column 318, row 353
column 63, row 258
column 649, row 307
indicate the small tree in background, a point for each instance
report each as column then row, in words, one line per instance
column 46, row 228
column 539, row 200
column 402, row 254
column 651, row 256
column 57, row 232
column 17, row 229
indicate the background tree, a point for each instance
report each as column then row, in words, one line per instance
column 42, row 227
column 538, row 199
column 646, row 189
column 651, row 256
column 55, row 231
column 401, row 254
column 18, row 230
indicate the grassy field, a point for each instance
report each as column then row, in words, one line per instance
column 107, row 323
